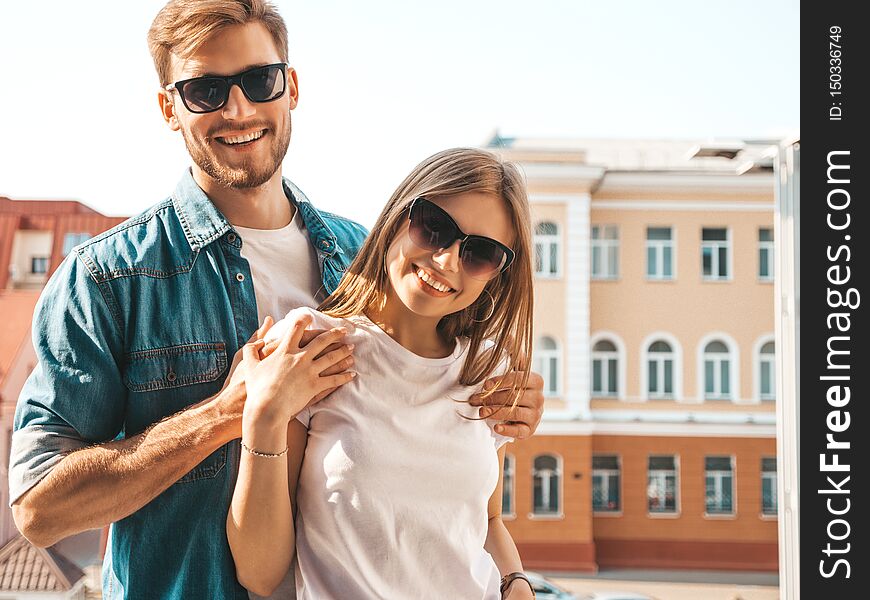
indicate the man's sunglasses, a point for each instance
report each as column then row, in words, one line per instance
column 432, row 228
column 208, row 94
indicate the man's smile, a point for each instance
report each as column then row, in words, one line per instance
column 244, row 139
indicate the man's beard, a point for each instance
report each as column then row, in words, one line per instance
column 248, row 174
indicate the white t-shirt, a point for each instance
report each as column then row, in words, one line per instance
column 284, row 268
column 285, row 275
column 393, row 492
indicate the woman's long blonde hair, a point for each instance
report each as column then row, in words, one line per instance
column 448, row 173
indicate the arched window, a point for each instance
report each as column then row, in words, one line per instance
column 767, row 371
column 507, row 490
column 605, row 369
column 547, row 360
column 660, row 370
column 546, row 474
column 547, row 250
column 717, row 371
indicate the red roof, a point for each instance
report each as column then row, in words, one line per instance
column 26, row 568
column 16, row 313
column 47, row 207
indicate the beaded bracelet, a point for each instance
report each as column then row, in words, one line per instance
column 265, row 454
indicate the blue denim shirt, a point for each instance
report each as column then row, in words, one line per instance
column 137, row 324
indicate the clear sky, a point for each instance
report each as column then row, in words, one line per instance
column 383, row 84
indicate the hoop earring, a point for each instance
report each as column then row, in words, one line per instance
column 491, row 310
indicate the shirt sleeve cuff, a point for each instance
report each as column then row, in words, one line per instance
column 35, row 451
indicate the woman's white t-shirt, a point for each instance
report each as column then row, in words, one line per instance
column 393, row 492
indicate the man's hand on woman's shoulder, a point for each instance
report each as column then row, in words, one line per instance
column 521, row 421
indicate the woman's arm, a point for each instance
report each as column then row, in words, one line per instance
column 260, row 527
column 260, row 521
column 499, row 542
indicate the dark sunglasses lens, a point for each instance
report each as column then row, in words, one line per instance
column 431, row 228
column 264, row 84
column 482, row 258
column 204, row 94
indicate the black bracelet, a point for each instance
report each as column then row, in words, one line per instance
column 510, row 577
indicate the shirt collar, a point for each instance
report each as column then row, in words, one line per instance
column 203, row 223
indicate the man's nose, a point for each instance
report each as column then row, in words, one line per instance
column 238, row 107
column 448, row 258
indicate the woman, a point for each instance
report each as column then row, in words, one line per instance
column 438, row 300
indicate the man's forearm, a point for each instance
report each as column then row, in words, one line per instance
column 95, row 486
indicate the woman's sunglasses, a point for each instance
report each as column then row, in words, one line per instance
column 432, row 228
column 208, row 94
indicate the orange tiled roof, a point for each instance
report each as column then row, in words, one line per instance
column 16, row 313
column 52, row 207
column 26, row 568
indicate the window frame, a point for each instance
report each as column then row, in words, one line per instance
column 759, row 360
column 714, row 245
column 541, row 362
column 603, row 244
column 720, row 473
column 660, row 358
column 547, row 241
column 604, row 357
column 44, row 260
column 659, row 246
column 769, row 475
column 618, row 472
column 71, row 239
column 769, row 247
column 559, row 472
column 677, row 495
column 733, row 369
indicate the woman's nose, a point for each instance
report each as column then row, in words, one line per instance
column 448, row 258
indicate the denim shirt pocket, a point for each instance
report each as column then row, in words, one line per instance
column 166, row 375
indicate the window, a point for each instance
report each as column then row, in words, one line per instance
column 661, row 489
column 714, row 254
column 767, row 371
column 546, row 476
column 719, row 485
column 507, row 490
column 765, row 254
column 605, row 252
column 546, row 362
column 660, row 370
column 71, row 240
column 38, row 265
column 717, row 371
column 605, row 484
column 605, row 368
column 768, row 486
column 547, row 250
column 659, row 253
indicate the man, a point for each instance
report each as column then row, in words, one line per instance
column 133, row 413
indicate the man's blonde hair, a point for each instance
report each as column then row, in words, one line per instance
column 182, row 26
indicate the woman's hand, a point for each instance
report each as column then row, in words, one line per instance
column 281, row 384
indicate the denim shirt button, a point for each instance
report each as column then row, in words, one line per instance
column 171, row 376
column 324, row 244
column 240, row 277
column 231, row 238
